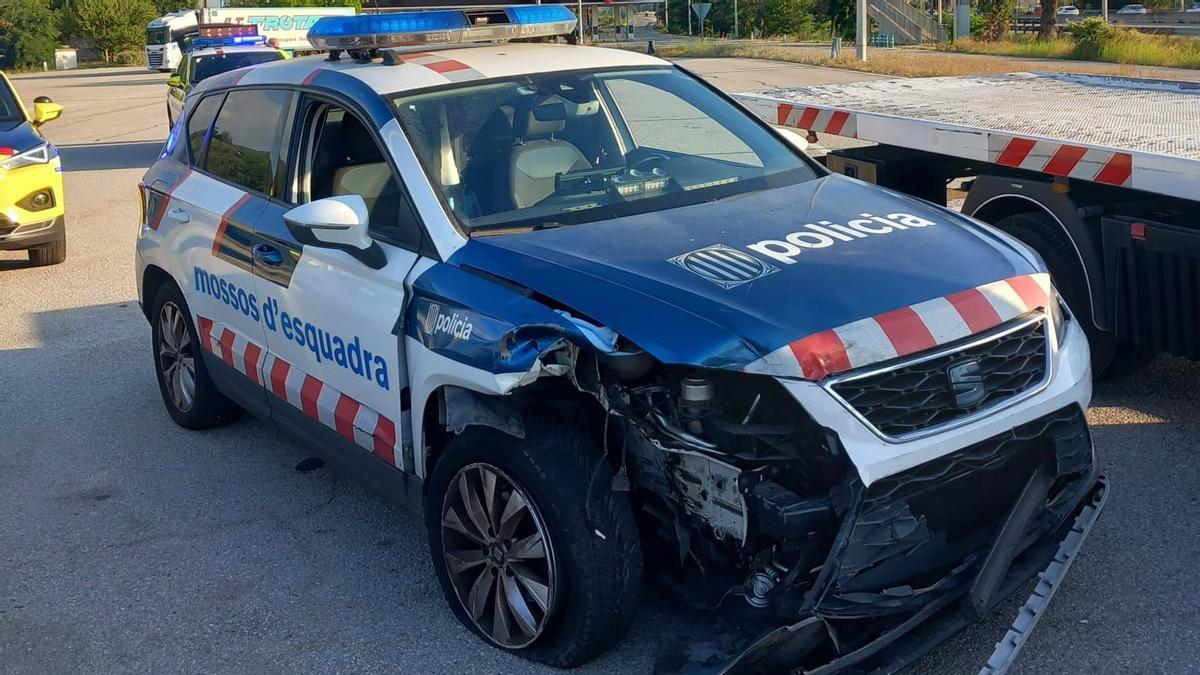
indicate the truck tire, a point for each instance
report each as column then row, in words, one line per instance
column 1110, row 357
column 566, row 600
column 49, row 254
column 191, row 397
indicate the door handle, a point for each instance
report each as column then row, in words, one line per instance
column 267, row 255
column 179, row 215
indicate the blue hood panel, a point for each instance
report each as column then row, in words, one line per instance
column 20, row 136
column 630, row 274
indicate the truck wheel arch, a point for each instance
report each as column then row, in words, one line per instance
column 993, row 198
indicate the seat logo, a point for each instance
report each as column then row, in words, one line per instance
column 724, row 266
column 966, row 384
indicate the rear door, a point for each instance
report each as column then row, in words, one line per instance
column 234, row 160
column 335, row 363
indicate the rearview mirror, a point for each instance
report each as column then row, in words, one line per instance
column 174, row 81
column 45, row 110
column 337, row 222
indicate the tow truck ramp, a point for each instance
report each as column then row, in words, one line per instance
column 1123, row 132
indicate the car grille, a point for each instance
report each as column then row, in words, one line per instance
column 918, row 395
column 917, row 534
column 155, row 59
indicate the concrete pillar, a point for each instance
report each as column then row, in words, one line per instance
column 962, row 19
column 861, row 31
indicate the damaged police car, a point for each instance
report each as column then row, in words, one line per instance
column 600, row 324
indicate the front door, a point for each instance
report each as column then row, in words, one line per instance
column 335, row 362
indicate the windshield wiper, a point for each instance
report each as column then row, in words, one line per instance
column 547, row 225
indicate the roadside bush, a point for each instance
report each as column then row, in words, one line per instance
column 130, row 57
column 977, row 22
column 1091, row 36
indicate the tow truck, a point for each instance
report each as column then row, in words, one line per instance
column 1097, row 174
column 591, row 320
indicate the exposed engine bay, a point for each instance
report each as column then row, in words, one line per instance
column 750, row 509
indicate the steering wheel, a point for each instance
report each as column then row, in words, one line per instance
column 650, row 157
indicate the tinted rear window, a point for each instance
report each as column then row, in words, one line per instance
column 204, row 67
column 244, row 148
column 199, row 122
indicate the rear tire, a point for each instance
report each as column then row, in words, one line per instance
column 49, row 254
column 188, row 392
column 1110, row 357
column 592, row 539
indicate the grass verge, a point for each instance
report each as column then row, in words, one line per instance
column 904, row 62
column 1121, row 46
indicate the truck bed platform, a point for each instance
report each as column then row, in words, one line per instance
column 1125, row 132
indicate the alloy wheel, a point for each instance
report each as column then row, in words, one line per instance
column 498, row 555
column 176, row 358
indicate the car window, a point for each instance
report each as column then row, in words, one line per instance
column 344, row 158
column 561, row 148
column 207, row 65
column 244, row 144
column 199, row 123
column 9, row 108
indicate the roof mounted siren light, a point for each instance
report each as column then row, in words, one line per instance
column 366, row 33
column 226, row 35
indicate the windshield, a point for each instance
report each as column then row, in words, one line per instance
column 565, row 148
column 204, row 67
column 10, row 109
column 158, row 36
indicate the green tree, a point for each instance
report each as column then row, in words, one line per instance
column 111, row 26
column 168, row 6
column 28, row 33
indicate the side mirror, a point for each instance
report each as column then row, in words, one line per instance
column 793, row 138
column 174, row 81
column 45, row 110
column 337, row 222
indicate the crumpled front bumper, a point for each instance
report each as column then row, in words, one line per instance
column 921, row 554
column 909, row 640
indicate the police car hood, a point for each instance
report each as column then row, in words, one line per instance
column 724, row 283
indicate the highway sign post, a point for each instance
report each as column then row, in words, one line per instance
column 701, row 10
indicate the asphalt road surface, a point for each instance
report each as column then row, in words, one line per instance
column 129, row 544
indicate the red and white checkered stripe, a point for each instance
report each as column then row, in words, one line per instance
column 455, row 71
column 823, row 120
column 907, row 330
column 317, row 399
column 1058, row 159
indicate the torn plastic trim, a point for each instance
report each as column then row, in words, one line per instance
column 462, row 408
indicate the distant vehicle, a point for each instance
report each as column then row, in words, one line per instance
column 1033, row 10
column 31, row 184
column 1068, row 10
column 163, row 39
column 1194, row 8
column 217, row 49
column 166, row 36
column 1133, row 9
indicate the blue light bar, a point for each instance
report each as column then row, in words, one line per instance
column 402, row 29
column 207, row 43
column 534, row 14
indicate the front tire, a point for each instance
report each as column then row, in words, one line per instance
column 191, row 397
column 533, row 549
column 49, row 254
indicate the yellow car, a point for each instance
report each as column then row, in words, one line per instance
column 31, row 184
